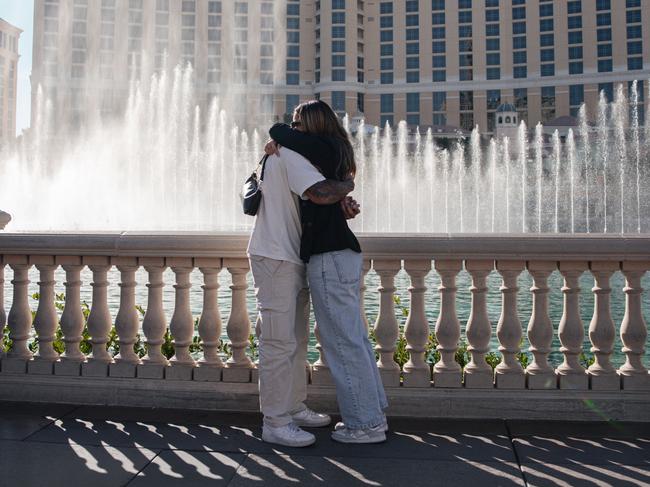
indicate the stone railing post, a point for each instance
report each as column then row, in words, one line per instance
column 127, row 320
column 210, row 365
column 571, row 331
column 181, row 325
column 320, row 371
column 99, row 319
column 46, row 319
column 417, row 373
column 540, row 374
column 3, row 314
column 478, row 373
column 364, row 272
column 509, row 374
column 447, row 372
column 72, row 318
column 154, row 323
column 238, row 367
column 602, row 375
column 634, row 333
column 386, row 327
column 20, row 317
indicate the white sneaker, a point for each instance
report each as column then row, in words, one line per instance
column 288, row 435
column 381, row 427
column 311, row 419
column 365, row 435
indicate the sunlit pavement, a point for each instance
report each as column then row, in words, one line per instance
column 52, row 445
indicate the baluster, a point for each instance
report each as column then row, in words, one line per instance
column 602, row 375
column 20, row 317
column 633, row 374
column 3, row 315
column 239, row 365
column 154, row 323
column 320, row 371
column 540, row 374
column 99, row 319
column 72, row 318
column 571, row 331
column 366, row 267
column 509, row 374
column 417, row 372
column 46, row 320
column 478, row 373
column 386, row 327
column 447, row 372
column 181, row 325
column 127, row 321
column 210, row 365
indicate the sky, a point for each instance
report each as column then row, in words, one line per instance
column 21, row 14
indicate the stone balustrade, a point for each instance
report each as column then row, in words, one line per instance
column 417, row 255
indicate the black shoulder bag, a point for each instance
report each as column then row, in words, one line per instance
column 252, row 190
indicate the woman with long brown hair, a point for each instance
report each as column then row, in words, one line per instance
column 334, row 271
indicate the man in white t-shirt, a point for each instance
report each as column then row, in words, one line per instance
column 283, row 296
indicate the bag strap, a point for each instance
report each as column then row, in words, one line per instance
column 263, row 164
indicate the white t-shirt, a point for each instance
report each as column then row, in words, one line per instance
column 277, row 230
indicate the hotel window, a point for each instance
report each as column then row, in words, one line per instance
column 386, row 108
column 361, row 103
column 634, row 48
column 576, row 98
column 188, row 33
column 78, row 54
column 548, row 103
column 386, row 42
column 107, row 39
column 521, row 102
column 293, row 44
column 603, row 5
column 338, row 102
column 465, row 61
column 640, row 92
column 493, row 98
column 413, row 109
column 412, row 34
column 292, row 102
column 214, row 42
column 608, row 90
column 240, row 58
column 466, row 101
column 439, row 108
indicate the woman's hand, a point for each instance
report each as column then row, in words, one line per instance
column 271, row 148
column 350, row 207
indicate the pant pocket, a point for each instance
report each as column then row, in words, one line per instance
column 348, row 266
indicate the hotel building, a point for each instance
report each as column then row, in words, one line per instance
column 429, row 62
column 9, row 36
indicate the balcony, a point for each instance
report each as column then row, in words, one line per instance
column 203, row 377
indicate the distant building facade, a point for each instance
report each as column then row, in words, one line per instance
column 429, row 62
column 9, row 38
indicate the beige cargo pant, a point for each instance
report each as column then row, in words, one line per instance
column 283, row 332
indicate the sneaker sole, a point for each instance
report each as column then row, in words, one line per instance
column 378, row 439
column 306, row 424
column 383, row 430
column 295, row 444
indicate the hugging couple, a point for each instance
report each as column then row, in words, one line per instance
column 301, row 236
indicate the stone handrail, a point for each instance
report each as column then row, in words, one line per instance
column 418, row 255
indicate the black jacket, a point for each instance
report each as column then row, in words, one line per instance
column 324, row 227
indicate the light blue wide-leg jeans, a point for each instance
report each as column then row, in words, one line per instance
column 335, row 284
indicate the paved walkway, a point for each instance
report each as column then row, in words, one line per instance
column 56, row 445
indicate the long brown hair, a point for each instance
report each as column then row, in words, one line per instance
column 318, row 118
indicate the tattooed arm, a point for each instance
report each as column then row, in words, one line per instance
column 329, row 191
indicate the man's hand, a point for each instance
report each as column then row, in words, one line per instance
column 350, row 207
column 272, row 147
